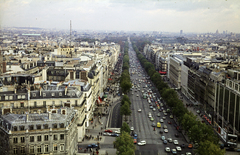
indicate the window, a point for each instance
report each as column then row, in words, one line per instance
column 22, row 139
column 44, row 103
column 6, row 97
column 73, row 94
column 76, row 102
column 39, row 149
column 31, row 149
column 22, row 128
column 54, row 137
column 60, row 102
column 54, row 147
column 61, row 136
column 22, row 150
column 10, row 97
column 53, row 102
column 31, row 138
column 15, row 128
column 15, row 140
column 60, row 94
column 12, row 105
column 38, row 126
column 54, row 125
column 45, row 126
column 19, row 96
column 46, row 148
column 34, row 94
column 35, row 104
column 45, row 137
column 15, row 151
column 44, row 94
column 23, row 96
column 53, row 94
column 61, row 147
column 22, row 104
column 39, row 138
column 31, row 127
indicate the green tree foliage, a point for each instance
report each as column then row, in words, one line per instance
column 124, row 144
column 125, row 128
column 125, row 109
column 125, row 99
column 209, row 148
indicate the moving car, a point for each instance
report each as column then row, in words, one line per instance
column 167, row 149
column 163, row 137
column 164, row 141
column 175, row 142
column 190, row 146
column 171, row 116
column 143, row 142
column 158, row 124
column 152, row 119
column 132, row 128
column 165, row 127
column 169, row 140
column 161, row 120
column 174, row 151
column 166, row 130
column 158, row 114
column 188, row 153
column 139, row 110
column 179, row 148
column 135, row 141
column 153, row 124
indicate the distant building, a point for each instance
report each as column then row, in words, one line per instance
column 2, row 64
column 181, row 31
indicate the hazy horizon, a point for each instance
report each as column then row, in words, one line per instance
column 196, row 16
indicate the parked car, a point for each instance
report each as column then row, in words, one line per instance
column 163, row 137
column 175, row 142
column 174, row 151
column 164, row 141
column 169, row 140
column 115, row 135
column 110, row 131
column 92, row 146
column 190, row 146
column 179, row 148
column 132, row 128
column 106, row 134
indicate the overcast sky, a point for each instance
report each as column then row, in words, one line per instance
column 128, row 15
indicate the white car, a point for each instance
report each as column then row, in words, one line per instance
column 139, row 110
column 132, row 128
column 188, row 153
column 179, row 148
column 154, row 109
column 166, row 130
column 164, row 117
column 118, row 131
column 107, row 134
column 167, row 149
column 175, row 142
column 143, row 142
column 161, row 120
column 137, row 95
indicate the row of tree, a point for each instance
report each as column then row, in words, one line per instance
column 124, row 143
column 197, row 131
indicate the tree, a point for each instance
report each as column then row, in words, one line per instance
column 209, row 148
column 125, row 110
column 125, row 128
column 124, row 144
column 125, row 98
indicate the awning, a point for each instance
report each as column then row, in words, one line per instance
column 164, row 73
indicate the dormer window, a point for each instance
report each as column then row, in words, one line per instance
column 6, row 97
column 34, row 94
column 10, row 97
column 60, row 94
column 23, row 96
column 44, row 94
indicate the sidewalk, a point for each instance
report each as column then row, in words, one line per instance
column 96, row 129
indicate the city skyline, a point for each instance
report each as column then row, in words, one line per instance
column 169, row 16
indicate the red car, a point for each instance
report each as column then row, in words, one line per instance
column 169, row 122
column 110, row 131
column 135, row 141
